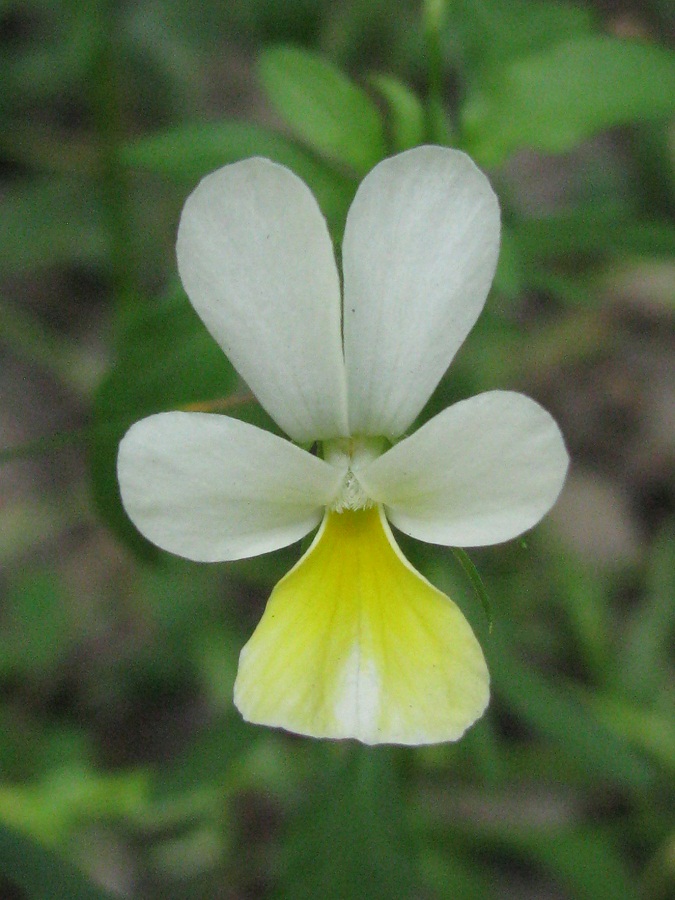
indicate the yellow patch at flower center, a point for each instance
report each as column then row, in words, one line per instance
column 355, row 643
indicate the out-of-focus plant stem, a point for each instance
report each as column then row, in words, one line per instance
column 433, row 15
column 106, row 102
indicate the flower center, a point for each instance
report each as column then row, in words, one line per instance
column 351, row 495
column 351, row 453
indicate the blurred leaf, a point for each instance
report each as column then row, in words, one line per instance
column 188, row 152
column 552, row 101
column 38, row 518
column 583, row 594
column 36, row 628
column 644, row 665
column 42, row 874
column 582, row 860
column 555, row 711
column 29, row 338
column 45, row 223
column 210, row 762
column 586, row 861
column 323, row 107
column 494, row 31
column 348, row 839
column 58, row 49
column 451, row 875
column 406, row 117
column 168, row 66
column 22, row 744
column 593, row 231
column 53, row 808
column 652, row 730
column 185, row 857
column 652, row 158
column 166, row 359
column 510, row 274
column 49, row 149
column 581, row 292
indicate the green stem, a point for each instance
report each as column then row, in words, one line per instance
column 433, row 15
column 108, row 123
column 473, row 575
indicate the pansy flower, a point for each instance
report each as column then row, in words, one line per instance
column 354, row 642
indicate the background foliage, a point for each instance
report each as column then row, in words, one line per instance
column 124, row 769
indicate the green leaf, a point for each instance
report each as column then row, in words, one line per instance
column 586, row 861
column 42, row 874
column 58, row 52
column 509, row 278
column 210, row 761
column 188, row 152
column 583, row 594
column 494, row 31
column 406, row 118
column 552, row 101
column 166, row 359
column 323, row 107
column 593, row 231
column 453, row 875
column 55, row 808
column 652, row 730
column 37, row 630
column 556, row 711
column 348, row 839
column 50, row 222
column 644, row 662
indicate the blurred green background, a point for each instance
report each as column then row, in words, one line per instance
column 124, row 768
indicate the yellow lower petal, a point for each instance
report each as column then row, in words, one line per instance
column 354, row 643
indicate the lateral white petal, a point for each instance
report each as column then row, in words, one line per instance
column 481, row 472
column 257, row 262
column 211, row 488
column 419, row 253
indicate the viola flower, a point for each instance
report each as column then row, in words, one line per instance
column 354, row 643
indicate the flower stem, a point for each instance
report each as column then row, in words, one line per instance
column 433, row 15
column 106, row 100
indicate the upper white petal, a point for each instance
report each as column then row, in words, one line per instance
column 419, row 253
column 481, row 472
column 257, row 262
column 211, row 488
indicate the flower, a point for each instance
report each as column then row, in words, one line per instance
column 353, row 642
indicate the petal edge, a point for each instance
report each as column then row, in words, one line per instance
column 481, row 472
column 212, row 488
column 257, row 263
column 419, row 254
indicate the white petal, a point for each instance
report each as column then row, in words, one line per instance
column 419, row 253
column 481, row 472
column 211, row 488
column 257, row 262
